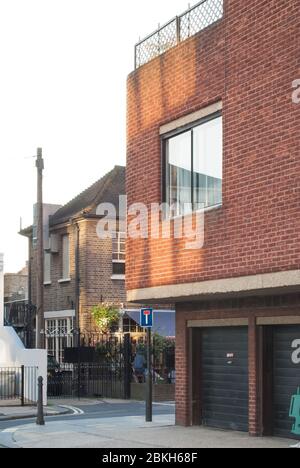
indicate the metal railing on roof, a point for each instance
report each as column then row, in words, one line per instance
column 179, row 29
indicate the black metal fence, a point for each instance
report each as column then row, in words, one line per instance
column 87, row 380
column 99, row 368
column 177, row 30
column 105, row 366
column 18, row 385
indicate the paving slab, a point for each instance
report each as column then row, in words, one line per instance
column 130, row 432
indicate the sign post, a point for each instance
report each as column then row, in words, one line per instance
column 147, row 322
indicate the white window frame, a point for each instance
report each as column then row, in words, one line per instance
column 57, row 330
column 189, row 127
column 119, row 238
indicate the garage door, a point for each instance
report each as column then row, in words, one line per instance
column 286, row 345
column 225, row 378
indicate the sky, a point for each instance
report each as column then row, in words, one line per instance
column 63, row 70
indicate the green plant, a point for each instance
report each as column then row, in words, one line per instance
column 105, row 316
column 162, row 344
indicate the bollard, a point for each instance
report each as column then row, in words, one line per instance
column 40, row 407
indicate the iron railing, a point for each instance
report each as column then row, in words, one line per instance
column 87, row 380
column 177, row 30
column 100, row 367
column 18, row 385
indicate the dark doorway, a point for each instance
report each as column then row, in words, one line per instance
column 286, row 377
column 225, row 391
column 280, row 378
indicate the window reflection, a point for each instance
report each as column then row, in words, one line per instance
column 194, row 167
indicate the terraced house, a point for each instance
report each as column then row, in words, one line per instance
column 212, row 121
column 80, row 269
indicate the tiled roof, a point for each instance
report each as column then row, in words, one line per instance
column 105, row 190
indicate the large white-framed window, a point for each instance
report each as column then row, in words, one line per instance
column 118, row 255
column 193, row 166
column 59, row 335
column 65, row 257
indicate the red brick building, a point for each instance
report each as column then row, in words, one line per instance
column 211, row 120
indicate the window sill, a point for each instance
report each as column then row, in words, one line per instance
column 192, row 213
column 47, row 283
column 118, row 277
column 66, row 280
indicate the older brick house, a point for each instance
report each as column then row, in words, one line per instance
column 81, row 270
column 211, row 119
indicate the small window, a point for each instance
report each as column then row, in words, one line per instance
column 47, row 267
column 65, row 257
column 119, row 269
column 118, row 254
column 194, row 167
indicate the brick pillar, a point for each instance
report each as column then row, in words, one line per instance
column 182, row 394
column 254, row 429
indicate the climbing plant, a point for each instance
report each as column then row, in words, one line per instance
column 105, row 315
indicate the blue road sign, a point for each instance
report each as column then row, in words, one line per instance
column 146, row 318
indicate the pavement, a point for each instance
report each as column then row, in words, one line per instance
column 112, row 424
column 129, row 432
column 10, row 413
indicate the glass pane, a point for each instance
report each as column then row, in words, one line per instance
column 118, row 268
column 179, row 170
column 208, row 163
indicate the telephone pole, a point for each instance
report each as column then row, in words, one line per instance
column 40, row 253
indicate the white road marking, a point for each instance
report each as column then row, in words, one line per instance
column 10, row 430
column 164, row 404
column 76, row 411
column 295, row 446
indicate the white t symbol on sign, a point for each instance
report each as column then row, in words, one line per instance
column 147, row 315
column 296, row 353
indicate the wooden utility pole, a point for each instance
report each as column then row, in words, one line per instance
column 40, row 253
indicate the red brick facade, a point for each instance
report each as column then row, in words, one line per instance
column 248, row 60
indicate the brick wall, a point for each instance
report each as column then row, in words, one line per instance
column 61, row 296
column 95, row 267
column 96, row 264
column 248, row 60
column 13, row 284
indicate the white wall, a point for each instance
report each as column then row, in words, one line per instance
column 12, row 350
